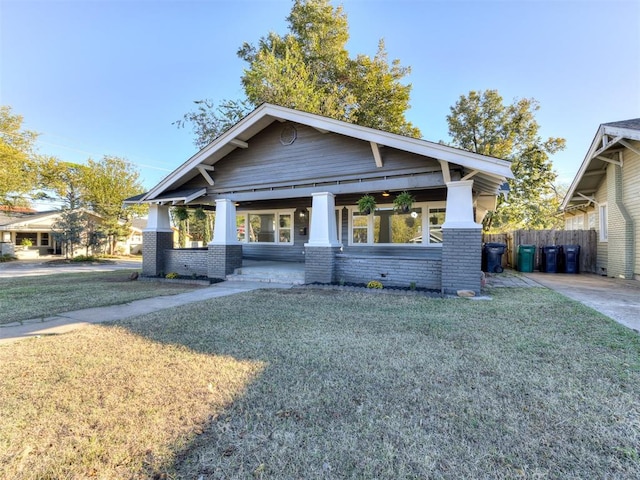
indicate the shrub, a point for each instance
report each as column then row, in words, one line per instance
column 84, row 258
column 26, row 242
column 7, row 258
column 374, row 284
column 171, row 275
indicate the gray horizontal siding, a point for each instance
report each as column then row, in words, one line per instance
column 312, row 158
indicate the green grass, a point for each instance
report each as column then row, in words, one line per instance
column 23, row 298
column 322, row 384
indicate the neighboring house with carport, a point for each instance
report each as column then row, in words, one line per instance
column 285, row 184
column 605, row 196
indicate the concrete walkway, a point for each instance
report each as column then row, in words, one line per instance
column 65, row 322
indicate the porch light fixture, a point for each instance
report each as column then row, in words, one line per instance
column 386, row 193
column 303, row 213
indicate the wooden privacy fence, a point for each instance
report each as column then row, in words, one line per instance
column 587, row 239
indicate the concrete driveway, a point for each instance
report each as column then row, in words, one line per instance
column 29, row 268
column 614, row 297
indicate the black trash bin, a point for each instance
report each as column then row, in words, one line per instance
column 493, row 257
column 572, row 258
column 550, row 257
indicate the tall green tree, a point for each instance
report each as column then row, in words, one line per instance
column 18, row 161
column 107, row 183
column 310, row 69
column 480, row 122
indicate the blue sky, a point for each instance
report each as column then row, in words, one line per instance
column 98, row 77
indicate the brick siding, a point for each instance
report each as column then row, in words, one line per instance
column 154, row 245
column 186, row 261
column 320, row 264
column 222, row 260
column 461, row 259
column 391, row 271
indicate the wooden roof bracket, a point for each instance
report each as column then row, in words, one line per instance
column 204, row 171
column 630, row 147
column 588, row 199
column 446, row 173
column 375, row 149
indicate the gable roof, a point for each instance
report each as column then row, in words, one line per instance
column 609, row 139
column 490, row 171
column 24, row 220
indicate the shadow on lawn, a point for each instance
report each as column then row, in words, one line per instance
column 353, row 385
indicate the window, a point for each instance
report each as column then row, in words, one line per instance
column 265, row 227
column 386, row 227
column 44, row 239
column 32, row 237
column 436, row 219
column 574, row 223
column 604, row 222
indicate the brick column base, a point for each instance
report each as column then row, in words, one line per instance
column 154, row 245
column 222, row 260
column 461, row 259
column 320, row 264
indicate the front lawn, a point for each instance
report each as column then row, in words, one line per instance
column 321, row 384
column 23, row 298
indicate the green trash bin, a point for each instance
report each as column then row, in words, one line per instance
column 526, row 256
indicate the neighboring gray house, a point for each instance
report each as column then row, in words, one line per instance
column 285, row 185
column 605, row 196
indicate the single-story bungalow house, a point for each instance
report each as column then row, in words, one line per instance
column 605, row 196
column 285, row 185
column 26, row 225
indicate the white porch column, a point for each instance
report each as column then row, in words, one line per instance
column 459, row 212
column 158, row 219
column 225, row 229
column 323, row 231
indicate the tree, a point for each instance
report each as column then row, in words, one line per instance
column 18, row 172
column 310, row 69
column 481, row 123
column 107, row 183
column 68, row 230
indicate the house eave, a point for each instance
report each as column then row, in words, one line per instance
column 239, row 135
column 605, row 131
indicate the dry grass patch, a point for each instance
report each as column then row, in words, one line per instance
column 106, row 403
column 24, row 298
column 528, row 385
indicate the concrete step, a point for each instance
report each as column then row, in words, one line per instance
column 249, row 274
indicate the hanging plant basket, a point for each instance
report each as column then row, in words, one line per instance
column 403, row 202
column 367, row 204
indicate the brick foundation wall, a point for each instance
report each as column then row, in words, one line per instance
column 320, row 264
column 391, row 271
column 154, row 245
column 186, row 261
column 222, row 260
column 461, row 259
